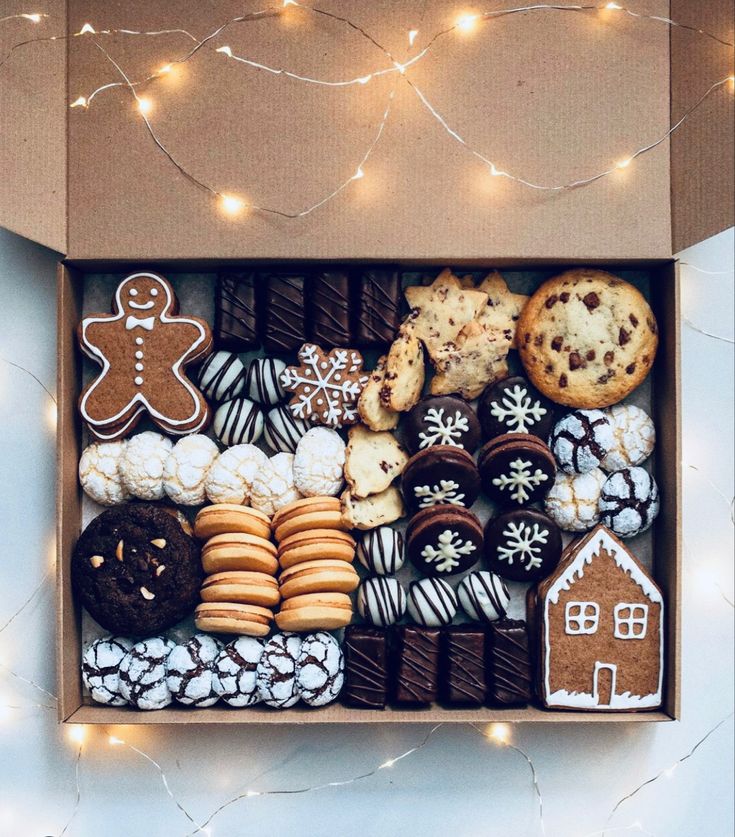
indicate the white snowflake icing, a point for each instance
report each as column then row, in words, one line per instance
column 521, row 540
column 517, row 408
column 443, row 431
column 329, row 388
column 445, row 492
column 447, row 552
column 520, row 480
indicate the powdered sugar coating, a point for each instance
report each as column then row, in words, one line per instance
column 141, row 465
column 572, row 502
column 273, row 486
column 276, row 674
column 581, row 440
column 143, row 674
column 634, row 437
column 235, row 671
column 99, row 473
column 230, row 479
column 320, row 669
column 101, row 668
column 186, row 468
column 190, row 671
column 629, row 502
column 318, row 466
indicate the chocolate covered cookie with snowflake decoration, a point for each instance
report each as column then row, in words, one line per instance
column 325, row 386
column 440, row 475
column 442, row 420
column 522, row 545
column 516, row 469
column 444, row 540
column 514, row 406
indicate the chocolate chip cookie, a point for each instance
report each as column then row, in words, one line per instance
column 136, row 571
column 587, row 338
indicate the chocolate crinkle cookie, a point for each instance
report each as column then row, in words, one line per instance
column 143, row 674
column 136, row 571
column 190, row 671
column 581, row 440
column 629, row 502
column 277, row 668
column 235, row 671
column 320, row 669
column 101, row 669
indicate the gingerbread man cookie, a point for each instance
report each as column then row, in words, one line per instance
column 143, row 348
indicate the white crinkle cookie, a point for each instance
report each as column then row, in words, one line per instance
column 634, row 434
column 573, row 500
column 190, row 671
column 141, row 465
column 273, row 486
column 318, row 466
column 143, row 674
column 99, row 472
column 230, row 478
column 235, row 671
column 101, row 669
column 320, row 669
column 186, row 467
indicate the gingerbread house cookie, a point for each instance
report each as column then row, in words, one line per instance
column 599, row 626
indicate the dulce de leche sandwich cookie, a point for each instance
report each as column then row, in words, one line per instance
column 516, row 469
column 239, row 552
column 323, row 576
column 233, row 618
column 444, row 540
column 242, row 587
column 440, row 474
column 307, row 513
column 316, row 544
column 314, row 612
column 226, row 518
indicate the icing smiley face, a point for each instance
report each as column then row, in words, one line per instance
column 143, row 294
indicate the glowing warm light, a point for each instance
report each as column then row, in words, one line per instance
column 52, row 414
column 87, row 29
column 252, row 793
column 412, row 33
column 499, row 733
column 231, row 204
column 77, row 733
column 623, row 164
column 613, row 7
column 226, row 50
column 466, row 23
column 364, row 79
column 165, row 69
column 493, row 171
column 669, row 772
column 81, row 102
column 34, row 18
column 358, row 174
column 400, row 67
column 388, row 763
column 290, row 3
column 115, row 741
column 145, row 106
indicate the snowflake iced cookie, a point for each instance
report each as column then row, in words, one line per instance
column 522, row 545
column 273, row 486
column 99, row 473
column 190, row 671
column 514, row 406
column 440, row 475
column 186, row 469
column 143, row 348
column 143, row 674
column 581, row 440
column 101, row 669
column 629, row 502
column 320, row 669
column 319, row 463
column 372, row 460
column 325, row 386
column 634, row 437
column 444, row 540
column 230, row 479
column 381, row 601
column 572, row 503
column 141, row 465
column 442, row 420
column 516, row 469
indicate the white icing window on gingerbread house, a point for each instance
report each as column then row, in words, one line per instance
column 582, row 617
column 631, row 620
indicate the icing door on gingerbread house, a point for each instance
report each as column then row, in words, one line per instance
column 601, row 629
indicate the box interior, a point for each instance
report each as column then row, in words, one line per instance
column 86, row 286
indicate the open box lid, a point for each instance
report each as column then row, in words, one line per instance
column 550, row 96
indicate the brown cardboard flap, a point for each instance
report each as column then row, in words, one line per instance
column 703, row 150
column 550, row 95
column 33, row 125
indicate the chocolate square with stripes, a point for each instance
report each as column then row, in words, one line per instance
column 463, row 666
column 366, row 667
column 328, row 306
column 377, row 313
column 509, row 663
column 235, row 312
column 416, row 665
column 283, row 314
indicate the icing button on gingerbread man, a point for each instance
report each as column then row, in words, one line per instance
column 143, row 348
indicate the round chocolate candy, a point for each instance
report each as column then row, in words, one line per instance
column 238, row 422
column 221, row 377
column 514, row 406
column 381, row 550
column 442, row 420
column 282, row 431
column 444, row 540
column 263, row 381
column 522, row 545
column 381, row 601
column 516, row 469
column 440, row 475
column 483, row 596
column 431, row 602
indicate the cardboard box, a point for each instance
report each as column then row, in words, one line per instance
column 90, row 184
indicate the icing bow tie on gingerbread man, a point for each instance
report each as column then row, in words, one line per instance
column 143, row 348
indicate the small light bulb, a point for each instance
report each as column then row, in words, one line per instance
column 388, row 763
column 358, row 174
column 400, row 67
column 290, row 3
column 231, row 204
column 145, row 106
column 81, row 102
column 165, row 69
column 225, row 50
column 613, row 7
column 466, row 22
column 493, row 171
column 252, row 793
column 34, row 18
column 77, row 733
column 499, row 733
column 87, row 29
column 412, row 33
column 623, row 164
column 115, row 741
column 52, row 414
column 669, row 772
column 364, row 79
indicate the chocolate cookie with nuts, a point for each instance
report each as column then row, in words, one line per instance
column 136, row 571
column 587, row 338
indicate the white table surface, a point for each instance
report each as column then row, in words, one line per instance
column 459, row 782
